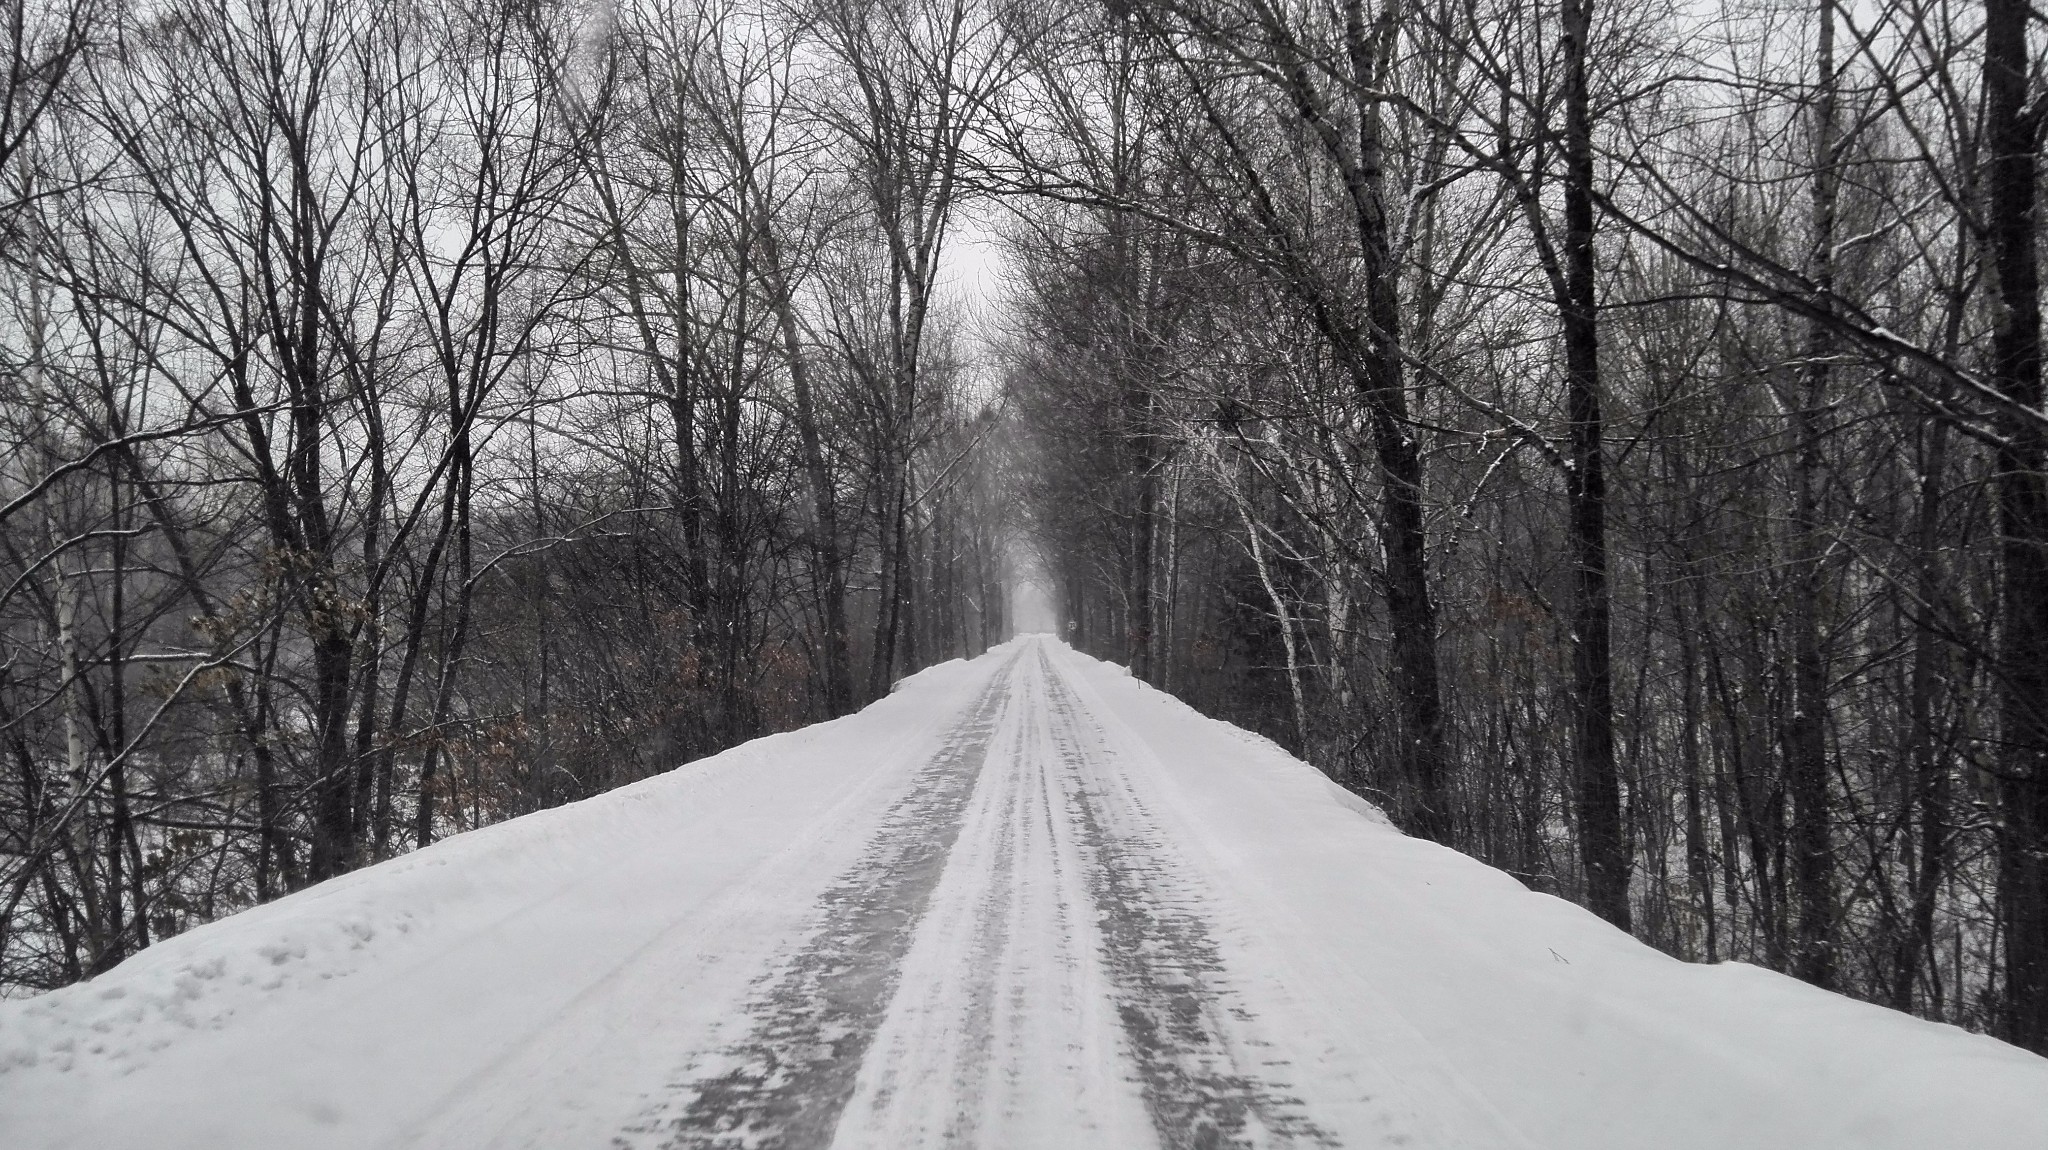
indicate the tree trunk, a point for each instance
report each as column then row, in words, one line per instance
column 1145, row 467
column 1698, row 863
column 1806, row 768
column 1603, row 840
column 824, row 535
column 1411, row 614
column 1930, row 790
column 2012, row 138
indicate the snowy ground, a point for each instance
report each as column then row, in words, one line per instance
column 1023, row 902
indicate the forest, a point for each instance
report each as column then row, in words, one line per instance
column 1609, row 438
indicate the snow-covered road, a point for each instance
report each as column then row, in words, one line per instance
column 1025, row 901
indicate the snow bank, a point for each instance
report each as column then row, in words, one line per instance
column 1515, row 1018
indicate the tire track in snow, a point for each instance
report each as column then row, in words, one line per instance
column 1173, row 995
column 1004, row 1032
column 783, row 1087
column 932, row 1052
column 991, row 942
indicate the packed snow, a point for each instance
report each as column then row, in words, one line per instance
column 1025, row 901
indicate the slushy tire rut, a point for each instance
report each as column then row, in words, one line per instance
column 792, row 1076
column 1172, row 991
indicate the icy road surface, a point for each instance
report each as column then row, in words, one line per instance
column 1023, row 902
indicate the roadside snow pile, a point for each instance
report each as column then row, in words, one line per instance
column 425, row 905
column 201, row 979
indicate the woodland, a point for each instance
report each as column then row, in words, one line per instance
column 1610, row 438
